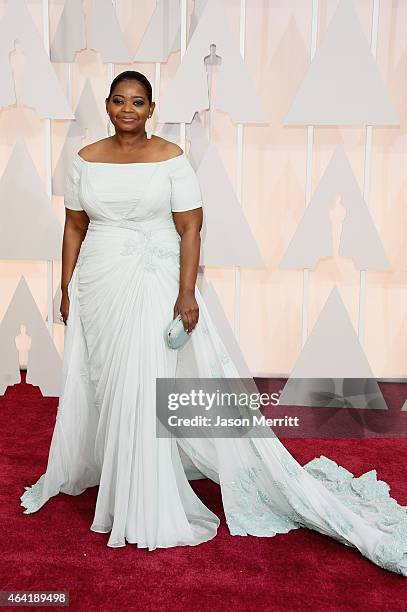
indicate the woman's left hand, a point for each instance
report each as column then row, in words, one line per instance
column 187, row 306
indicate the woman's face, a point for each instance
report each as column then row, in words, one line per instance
column 128, row 107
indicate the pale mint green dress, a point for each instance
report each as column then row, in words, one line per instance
column 122, row 293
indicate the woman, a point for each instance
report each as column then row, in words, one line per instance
column 130, row 258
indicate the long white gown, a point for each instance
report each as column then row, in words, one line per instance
column 122, row 293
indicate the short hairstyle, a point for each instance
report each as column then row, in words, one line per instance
column 132, row 75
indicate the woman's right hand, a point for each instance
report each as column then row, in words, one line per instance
column 64, row 308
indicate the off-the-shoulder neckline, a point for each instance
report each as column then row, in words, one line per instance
column 164, row 161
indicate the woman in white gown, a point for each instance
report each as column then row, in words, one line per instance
column 124, row 288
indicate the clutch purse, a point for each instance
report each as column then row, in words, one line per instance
column 175, row 334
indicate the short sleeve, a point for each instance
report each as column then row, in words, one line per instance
column 71, row 191
column 185, row 189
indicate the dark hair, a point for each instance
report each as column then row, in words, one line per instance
column 135, row 76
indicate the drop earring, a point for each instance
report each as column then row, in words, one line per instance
column 149, row 130
column 109, row 126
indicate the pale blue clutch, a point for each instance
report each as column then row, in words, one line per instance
column 175, row 334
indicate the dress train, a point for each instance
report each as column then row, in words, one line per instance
column 105, row 426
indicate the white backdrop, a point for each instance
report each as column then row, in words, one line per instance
column 272, row 165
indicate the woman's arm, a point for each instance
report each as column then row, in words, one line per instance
column 188, row 226
column 76, row 225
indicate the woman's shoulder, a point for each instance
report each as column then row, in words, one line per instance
column 160, row 149
column 170, row 149
column 93, row 151
column 165, row 150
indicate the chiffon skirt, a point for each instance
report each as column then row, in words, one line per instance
column 122, row 293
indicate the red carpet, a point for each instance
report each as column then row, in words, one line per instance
column 54, row 548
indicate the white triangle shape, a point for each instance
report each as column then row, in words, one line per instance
column 332, row 353
column 38, row 76
column 332, row 349
column 87, row 113
column 192, row 79
column 87, row 118
column 29, row 228
column 221, row 322
column 313, row 238
column 161, row 36
column 355, row 393
column 73, row 142
column 70, row 36
column 44, row 367
column 343, row 85
column 226, row 236
column 105, row 35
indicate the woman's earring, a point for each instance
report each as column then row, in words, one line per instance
column 149, row 129
column 109, row 126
